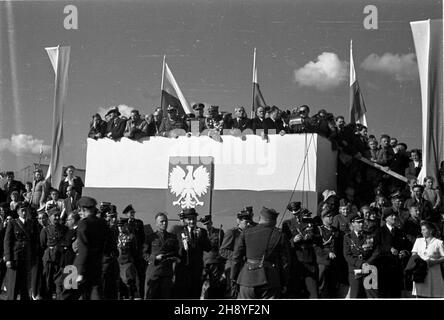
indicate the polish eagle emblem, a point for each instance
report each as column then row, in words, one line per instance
column 189, row 186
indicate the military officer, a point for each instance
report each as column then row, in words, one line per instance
column 51, row 243
column 264, row 248
column 213, row 261
column 214, row 122
column 110, row 264
column 301, row 233
column 160, row 250
column 92, row 234
column 358, row 252
column 171, row 123
column 193, row 242
column 19, row 246
column 244, row 220
column 199, row 118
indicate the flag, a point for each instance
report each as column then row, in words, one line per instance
column 59, row 57
column 428, row 39
column 258, row 99
column 357, row 105
column 171, row 93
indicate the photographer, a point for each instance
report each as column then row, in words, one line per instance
column 300, row 121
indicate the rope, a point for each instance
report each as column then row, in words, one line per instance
column 297, row 180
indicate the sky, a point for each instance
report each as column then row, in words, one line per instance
column 116, row 59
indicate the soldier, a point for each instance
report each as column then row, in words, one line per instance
column 213, row 261
column 19, row 248
column 160, row 250
column 69, row 251
column 358, row 251
column 110, row 264
column 171, row 123
column 128, row 250
column 301, row 233
column 38, row 286
column 92, row 234
column 193, row 242
column 264, row 248
column 51, row 243
column 199, row 118
column 326, row 248
column 214, row 121
column 244, row 220
column 397, row 206
column 116, row 125
column 135, row 226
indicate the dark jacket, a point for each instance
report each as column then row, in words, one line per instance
column 354, row 253
column 68, row 254
column 160, row 243
column 416, row 268
column 216, row 236
column 411, row 171
column 77, row 185
column 241, row 124
column 198, row 243
column 14, row 185
column 51, row 239
column 98, row 131
column 116, row 127
column 257, row 124
column 303, row 251
column 277, row 125
column 266, row 242
column 21, row 240
column 326, row 243
column 228, row 244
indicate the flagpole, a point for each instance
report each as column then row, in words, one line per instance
column 254, row 72
column 163, row 73
column 351, row 76
column 161, row 88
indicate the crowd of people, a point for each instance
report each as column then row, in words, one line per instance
column 373, row 226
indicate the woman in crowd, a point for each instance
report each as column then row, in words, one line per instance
column 431, row 250
column 70, row 180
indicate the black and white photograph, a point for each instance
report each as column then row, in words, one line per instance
column 221, row 150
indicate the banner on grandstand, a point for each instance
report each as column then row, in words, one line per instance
column 59, row 57
column 357, row 105
column 171, row 93
column 428, row 38
column 258, row 99
column 190, row 184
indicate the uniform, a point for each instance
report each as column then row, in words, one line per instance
column 128, row 250
column 110, row 265
column 51, row 242
column 214, row 265
column 159, row 274
column 226, row 251
column 168, row 125
column 67, row 258
column 264, row 248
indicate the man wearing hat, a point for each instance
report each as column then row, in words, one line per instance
column 173, row 125
column 116, row 125
column 213, row 261
column 12, row 185
column 358, row 252
column 244, row 221
column 327, row 250
column 135, row 226
column 402, row 214
column 51, row 239
column 264, row 248
column 136, row 127
column 160, row 250
column 391, row 255
column 92, row 234
column 20, row 246
column 198, row 121
column 214, row 121
column 241, row 120
column 193, row 242
column 301, row 233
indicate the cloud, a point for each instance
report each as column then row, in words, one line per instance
column 327, row 72
column 123, row 108
column 402, row 66
column 20, row 144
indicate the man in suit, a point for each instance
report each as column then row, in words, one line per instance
column 19, row 248
column 160, row 251
column 241, row 120
column 70, row 203
column 193, row 242
column 301, row 234
column 391, row 255
column 12, row 185
column 264, row 248
column 135, row 226
column 116, row 125
column 92, row 234
column 213, row 261
column 244, row 221
column 274, row 123
column 426, row 211
column 358, row 252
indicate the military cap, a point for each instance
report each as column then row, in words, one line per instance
column 87, row 202
column 294, row 206
column 129, row 208
column 354, row 217
column 190, row 212
column 198, row 106
column 9, row 173
column 386, row 212
column 171, row 108
column 328, row 193
column 113, row 110
column 327, row 212
column 245, row 215
column 396, row 195
column 269, row 214
column 206, row 219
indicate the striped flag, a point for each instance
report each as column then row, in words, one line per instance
column 258, row 99
column 59, row 57
column 171, row 93
column 357, row 105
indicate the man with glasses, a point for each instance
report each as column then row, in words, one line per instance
column 300, row 121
